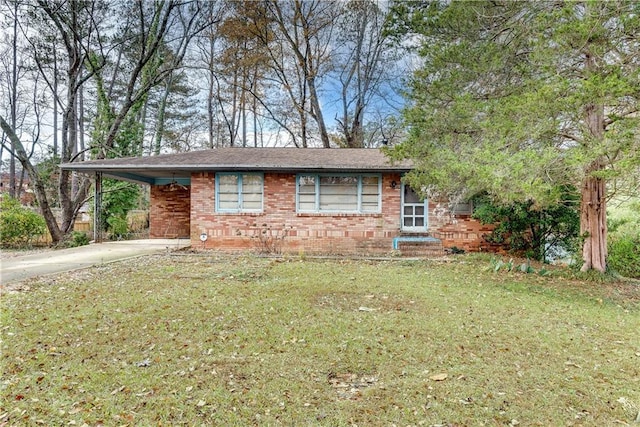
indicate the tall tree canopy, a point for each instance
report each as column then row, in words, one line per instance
column 518, row 99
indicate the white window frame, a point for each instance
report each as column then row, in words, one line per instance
column 240, row 208
column 424, row 205
column 358, row 210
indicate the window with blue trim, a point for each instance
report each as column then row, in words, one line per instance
column 239, row 192
column 339, row 193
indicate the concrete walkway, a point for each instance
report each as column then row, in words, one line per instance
column 22, row 267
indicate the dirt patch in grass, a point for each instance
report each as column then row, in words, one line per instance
column 351, row 386
column 345, row 301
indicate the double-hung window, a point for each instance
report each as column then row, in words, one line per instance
column 239, row 192
column 339, row 193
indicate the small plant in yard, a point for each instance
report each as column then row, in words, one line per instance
column 79, row 238
column 526, row 267
column 268, row 239
column 118, row 227
column 497, row 264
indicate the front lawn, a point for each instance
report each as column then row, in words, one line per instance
column 202, row 339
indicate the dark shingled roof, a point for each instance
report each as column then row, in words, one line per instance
column 157, row 169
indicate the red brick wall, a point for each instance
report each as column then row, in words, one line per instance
column 169, row 213
column 306, row 232
column 467, row 234
column 309, row 233
column 460, row 231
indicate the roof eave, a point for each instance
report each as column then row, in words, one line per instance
column 226, row 168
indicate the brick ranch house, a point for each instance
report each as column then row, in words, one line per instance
column 291, row 200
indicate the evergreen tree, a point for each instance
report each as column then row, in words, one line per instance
column 520, row 99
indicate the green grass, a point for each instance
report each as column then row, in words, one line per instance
column 204, row 340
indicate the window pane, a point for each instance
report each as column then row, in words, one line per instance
column 252, row 197
column 370, row 203
column 251, row 192
column 228, row 197
column 419, row 210
column 233, row 198
column 228, row 192
column 307, row 202
column 463, row 208
column 410, row 196
column 227, row 204
column 419, row 220
column 307, row 193
column 339, row 193
column 253, row 205
column 227, row 184
column 305, row 180
column 307, row 189
column 370, row 180
column 370, row 189
column 370, row 194
column 251, row 184
column 333, row 203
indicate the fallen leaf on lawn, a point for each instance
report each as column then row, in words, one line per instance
column 201, row 403
column 439, row 377
column 144, row 363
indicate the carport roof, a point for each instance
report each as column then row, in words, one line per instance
column 159, row 169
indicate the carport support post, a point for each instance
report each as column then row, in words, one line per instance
column 97, row 208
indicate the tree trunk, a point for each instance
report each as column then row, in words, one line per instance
column 593, row 222
column 317, row 112
column 55, row 103
column 13, row 192
column 160, row 118
column 593, row 202
column 210, row 111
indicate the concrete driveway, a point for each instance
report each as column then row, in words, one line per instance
column 21, row 267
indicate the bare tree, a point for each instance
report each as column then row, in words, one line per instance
column 367, row 58
column 301, row 48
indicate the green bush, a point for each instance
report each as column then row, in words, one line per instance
column 540, row 234
column 624, row 255
column 79, row 238
column 117, row 200
column 19, row 226
column 118, row 227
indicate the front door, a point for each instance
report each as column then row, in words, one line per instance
column 414, row 211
